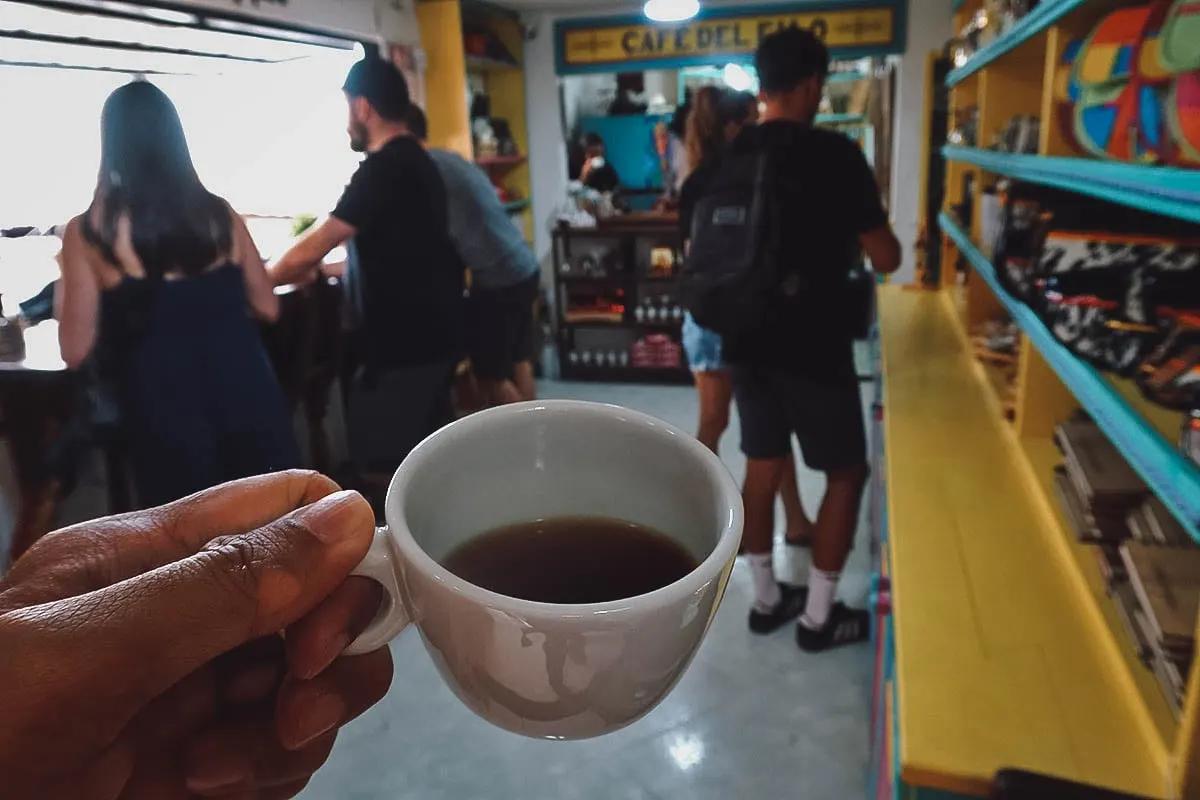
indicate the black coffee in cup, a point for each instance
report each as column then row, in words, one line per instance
column 571, row 560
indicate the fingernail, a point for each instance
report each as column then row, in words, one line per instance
column 337, row 517
column 323, row 714
column 215, row 769
column 330, row 650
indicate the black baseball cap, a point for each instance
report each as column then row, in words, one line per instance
column 381, row 85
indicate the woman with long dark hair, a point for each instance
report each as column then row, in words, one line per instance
column 161, row 284
column 717, row 117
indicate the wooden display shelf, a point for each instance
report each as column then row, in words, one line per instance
column 1000, row 381
column 1009, row 653
column 1171, row 191
column 575, row 372
column 488, row 64
column 500, row 161
column 998, row 660
column 1046, row 14
column 1040, row 457
column 602, row 319
column 616, row 281
column 1166, row 471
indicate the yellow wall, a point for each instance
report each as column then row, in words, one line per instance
column 445, row 75
column 506, row 87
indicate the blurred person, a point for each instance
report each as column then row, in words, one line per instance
column 190, row 650
column 677, row 156
column 598, row 173
column 504, row 275
column 717, row 116
column 404, row 279
column 672, row 154
column 162, row 283
column 793, row 371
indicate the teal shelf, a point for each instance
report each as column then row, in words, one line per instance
column 516, row 206
column 840, row 119
column 847, row 77
column 1170, row 191
column 1165, row 470
column 1033, row 23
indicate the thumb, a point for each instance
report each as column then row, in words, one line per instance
column 141, row 636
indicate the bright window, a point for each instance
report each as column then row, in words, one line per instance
column 267, row 129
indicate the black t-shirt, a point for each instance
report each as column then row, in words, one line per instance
column 406, row 278
column 603, row 179
column 693, row 189
column 833, row 199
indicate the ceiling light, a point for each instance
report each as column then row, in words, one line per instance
column 671, row 10
column 736, row 77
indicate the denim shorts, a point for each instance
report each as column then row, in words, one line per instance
column 703, row 347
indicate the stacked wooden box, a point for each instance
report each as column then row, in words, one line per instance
column 1150, row 565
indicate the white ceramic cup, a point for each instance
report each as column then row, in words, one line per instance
column 541, row 669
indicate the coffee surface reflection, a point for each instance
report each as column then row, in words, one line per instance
column 571, row 560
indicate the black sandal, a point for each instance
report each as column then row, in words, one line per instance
column 845, row 626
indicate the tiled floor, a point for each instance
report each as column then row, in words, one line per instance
column 752, row 718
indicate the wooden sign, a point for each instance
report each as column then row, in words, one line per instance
column 599, row 45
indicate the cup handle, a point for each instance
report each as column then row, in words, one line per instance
column 380, row 566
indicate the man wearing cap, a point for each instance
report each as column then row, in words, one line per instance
column 404, row 279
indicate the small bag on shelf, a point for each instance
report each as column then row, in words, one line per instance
column 1018, row 241
column 1189, row 437
column 1112, row 298
column 1170, row 376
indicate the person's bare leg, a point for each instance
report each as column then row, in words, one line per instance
column 758, row 496
column 715, row 388
column 525, row 382
column 798, row 528
column 774, row 603
column 824, row 623
column 498, row 393
column 758, row 533
column 466, row 394
column 837, row 519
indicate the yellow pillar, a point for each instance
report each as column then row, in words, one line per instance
column 445, row 75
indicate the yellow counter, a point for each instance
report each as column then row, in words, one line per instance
column 997, row 659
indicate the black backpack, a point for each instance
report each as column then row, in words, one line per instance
column 732, row 280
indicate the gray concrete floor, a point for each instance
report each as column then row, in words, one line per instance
column 753, row 717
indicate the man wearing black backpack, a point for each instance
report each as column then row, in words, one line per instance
column 782, row 225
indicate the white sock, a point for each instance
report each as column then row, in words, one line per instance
column 821, row 588
column 766, row 588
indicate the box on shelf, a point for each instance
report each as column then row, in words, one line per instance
column 656, row 351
